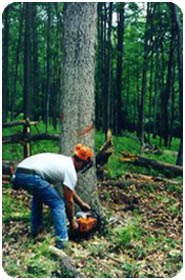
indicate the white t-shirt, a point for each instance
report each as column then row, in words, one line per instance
column 54, row 168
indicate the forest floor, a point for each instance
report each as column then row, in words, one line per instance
column 143, row 237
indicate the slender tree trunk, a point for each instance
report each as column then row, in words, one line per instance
column 150, row 99
column 99, row 73
column 27, row 73
column 162, row 84
column 48, row 67
column 172, row 106
column 156, row 87
column 180, row 72
column 120, row 32
column 13, row 94
column 78, row 88
column 5, row 101
column 57, row 92
column 27, row 62
column 144, row 77
column 109, row 67
column 36, row 89
column 166, row 93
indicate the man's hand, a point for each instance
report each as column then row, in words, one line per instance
column 85, row 207
column 74, row 225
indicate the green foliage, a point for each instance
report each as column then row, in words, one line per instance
column 115, row 167
column 129, row 143
column 130, row 233
column 15, row 151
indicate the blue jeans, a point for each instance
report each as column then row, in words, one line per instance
column 44, row 192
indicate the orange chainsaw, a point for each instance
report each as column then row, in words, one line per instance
column 89, row 222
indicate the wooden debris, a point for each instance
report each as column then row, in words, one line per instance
column 11, row 124
column 151, row 178
column 5, row 179
column 114, row 259
column 22, row 138
column 105, row 151
column 66, row 261
column 177, row 170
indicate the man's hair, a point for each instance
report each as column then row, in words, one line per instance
column 79, row 159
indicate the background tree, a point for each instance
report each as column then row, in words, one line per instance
column 5, row 65
column 77, row 105
column 119, row 65
column 180, row 77
column 27, row 61
column 147, row 38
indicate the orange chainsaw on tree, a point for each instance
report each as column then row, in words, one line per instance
column 89, row 222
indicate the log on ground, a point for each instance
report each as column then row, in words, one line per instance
column 22, row 138
column 66, row 261
column 159, row 165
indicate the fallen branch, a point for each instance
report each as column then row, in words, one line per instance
column 114, row 259
column 66, row 261
column 22, row 138
column 11, row 124
column 177, row 170
column 152, row 178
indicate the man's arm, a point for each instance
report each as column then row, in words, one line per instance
column 84, row 206
column 69, row 202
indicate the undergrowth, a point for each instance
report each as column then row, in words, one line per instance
column 114, row 168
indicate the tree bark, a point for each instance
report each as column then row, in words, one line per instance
column 27, row 62
column 120, row 32
column 27, row 74
column 48, row 66
column 5, row 88
column 180, row 73
column 140, row 132
column 36, row 89
column 77, row 104
column 13, row 95
column 166, row 93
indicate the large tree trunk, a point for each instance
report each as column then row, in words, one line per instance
column 78, row 88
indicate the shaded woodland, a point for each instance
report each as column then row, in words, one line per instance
column 108, row 75
column 138, row 77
